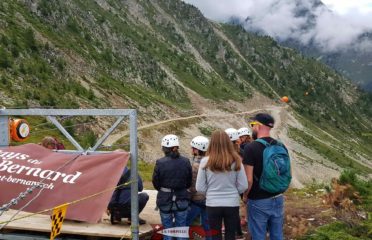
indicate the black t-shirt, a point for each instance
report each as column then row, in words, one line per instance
column 253, row 156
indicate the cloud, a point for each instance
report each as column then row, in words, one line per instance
column 345, row 6
column 221, row 10
column 306, row 21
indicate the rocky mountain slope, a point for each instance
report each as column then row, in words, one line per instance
column 316, row 31
column 167, row 60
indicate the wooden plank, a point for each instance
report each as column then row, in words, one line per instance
column 42, row 223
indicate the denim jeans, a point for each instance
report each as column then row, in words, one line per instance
column 196, row 210
column 174, row 218
column 266, row 215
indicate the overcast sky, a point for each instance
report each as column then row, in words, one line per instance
column 333, row 30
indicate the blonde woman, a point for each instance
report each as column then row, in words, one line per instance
column 222, row 178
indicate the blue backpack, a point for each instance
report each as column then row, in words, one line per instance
column 276, row 168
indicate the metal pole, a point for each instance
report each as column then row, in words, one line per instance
column 134, row 174
column 4, row 131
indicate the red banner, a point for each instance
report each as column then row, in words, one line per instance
column 27, row 165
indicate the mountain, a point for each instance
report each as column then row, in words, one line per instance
column 315, row 31
column 352, row 63
column 182, row 70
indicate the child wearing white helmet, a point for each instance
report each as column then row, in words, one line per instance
column 199, row 146
column 245, row 138
column 234, row 137
column 172, row 177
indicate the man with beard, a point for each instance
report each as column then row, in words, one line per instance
column 265, row 208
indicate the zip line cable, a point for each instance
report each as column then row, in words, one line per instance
column 62, row 118
column 74, row 125
column 66, row 127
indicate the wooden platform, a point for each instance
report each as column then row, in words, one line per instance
column 42, row 223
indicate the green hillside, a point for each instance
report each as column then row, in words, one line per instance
column 149, row 55
column 165, row 59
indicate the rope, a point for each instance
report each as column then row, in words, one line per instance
column 69, row 203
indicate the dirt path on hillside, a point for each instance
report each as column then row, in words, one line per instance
column 115, row 137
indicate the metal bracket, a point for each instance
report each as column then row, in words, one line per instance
column 51, row 113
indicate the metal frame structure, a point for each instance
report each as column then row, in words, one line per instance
column 119, row 113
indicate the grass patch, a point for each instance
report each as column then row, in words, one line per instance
column 145, row 170
column 363, row 187
column 344, row 140
column 341, row 231
column 330, row 153
column 344, row 230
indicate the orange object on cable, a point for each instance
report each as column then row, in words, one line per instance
column 19, row 129
column 285, row 99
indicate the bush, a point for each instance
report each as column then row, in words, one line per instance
column 30, row 40
column 206, row 131
column 348, row 177
column 5, row 60
column 363, row 187
column 88, row 139
column 44, row 8
column 73, row 26
column 69, row 126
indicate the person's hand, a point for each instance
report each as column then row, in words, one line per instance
column 245, row 197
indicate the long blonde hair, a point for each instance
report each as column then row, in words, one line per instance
column 221, row 153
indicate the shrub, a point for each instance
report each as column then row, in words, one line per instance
column 30, row 40
column 88, row 139
column 5, row 60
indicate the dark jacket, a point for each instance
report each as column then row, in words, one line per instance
column 242, row 146
column 172, row 173
column 122, row 194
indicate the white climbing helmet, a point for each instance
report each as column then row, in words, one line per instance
column 200, row 142
column 232, row 133
column 244, row 132
column 170, row 140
